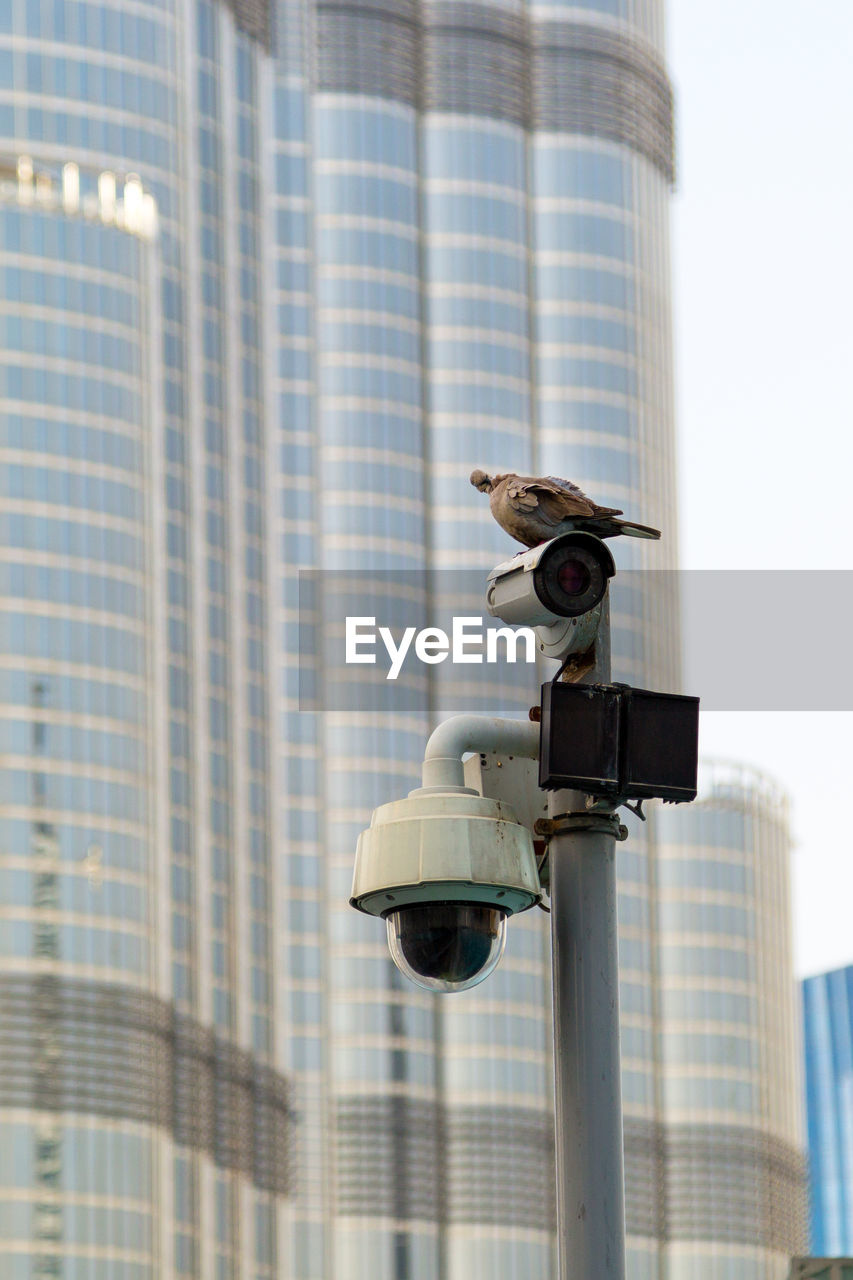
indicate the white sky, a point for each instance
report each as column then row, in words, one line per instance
column 763, row 293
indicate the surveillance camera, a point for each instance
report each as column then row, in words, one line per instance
column 445, row 870
column 557, row 588
column 446, row 946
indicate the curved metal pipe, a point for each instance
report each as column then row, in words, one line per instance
column 443, row 768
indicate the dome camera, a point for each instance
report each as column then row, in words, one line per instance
column 445, row 869
column 446, row 946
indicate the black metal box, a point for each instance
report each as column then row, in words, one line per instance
column 610, row 740
column 659, row 745
column 579, row 740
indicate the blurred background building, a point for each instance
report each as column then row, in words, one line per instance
column 828, row 1029
column 730, row 1032
column 272, row 284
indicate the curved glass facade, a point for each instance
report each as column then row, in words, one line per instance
column 730, row 1033
column 136, row 512
column 273, row 283
column 77, row 854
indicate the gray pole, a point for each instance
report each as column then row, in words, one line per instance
column 590, row 1175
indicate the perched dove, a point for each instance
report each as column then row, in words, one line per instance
column 535, row 510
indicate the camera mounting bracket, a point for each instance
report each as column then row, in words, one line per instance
column 588, row 820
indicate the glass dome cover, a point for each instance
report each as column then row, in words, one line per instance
column 446, row 946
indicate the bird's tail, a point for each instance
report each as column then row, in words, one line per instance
column 632, row 530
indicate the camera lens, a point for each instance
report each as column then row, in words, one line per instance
column 446, row 946
column 573, row 577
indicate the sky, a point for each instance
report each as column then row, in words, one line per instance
column 763, row 312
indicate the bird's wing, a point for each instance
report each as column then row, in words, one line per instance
column 568, row 486
column 573, row 489
column 552, row 499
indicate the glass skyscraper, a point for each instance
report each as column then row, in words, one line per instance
column 730, row 1034
column 828, row 1024
column 273, row 282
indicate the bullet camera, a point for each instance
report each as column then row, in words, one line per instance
column 445, row 869
column 557, row 588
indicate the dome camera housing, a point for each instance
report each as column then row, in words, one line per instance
column 445, row 870
column 446, row 946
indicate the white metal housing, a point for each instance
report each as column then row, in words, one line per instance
column 450, row 846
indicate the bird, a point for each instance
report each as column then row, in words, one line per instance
column 534, row 510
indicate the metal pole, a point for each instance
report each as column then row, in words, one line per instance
column 590, row 1174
